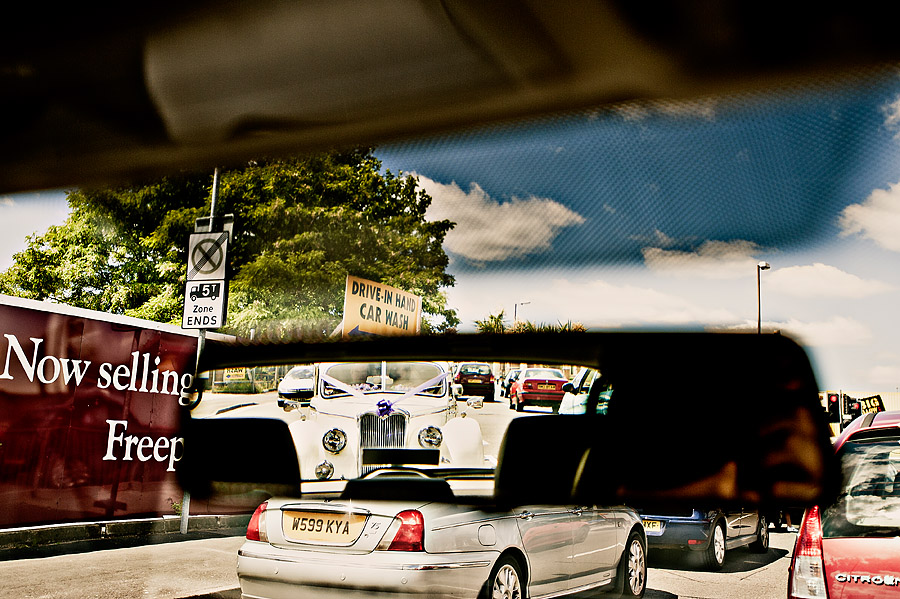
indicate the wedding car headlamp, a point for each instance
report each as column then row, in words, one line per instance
column 334, row 440
column 430, row 436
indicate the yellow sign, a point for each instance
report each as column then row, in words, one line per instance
column 376, row 309
column 235, row 374
column 870, row 405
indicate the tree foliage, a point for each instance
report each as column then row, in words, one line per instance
column 494, row 323
column 301, row 226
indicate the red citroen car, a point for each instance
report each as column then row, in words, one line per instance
column 851, row 548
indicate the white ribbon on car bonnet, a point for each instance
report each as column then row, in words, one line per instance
column 385, row 407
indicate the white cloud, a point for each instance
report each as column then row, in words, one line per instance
column 657, row 239
column 489, row 231
column 834, row 332
column 876, row 218
column 602, row 304
column 887, row 375
column 704, row 109
column 595, row 303
column 821, row 281
column 892, row 115
column 712, row 260
column 24, row 214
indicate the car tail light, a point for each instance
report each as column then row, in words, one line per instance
column 526, row 385
column 406, row 533
column 256, row 530
column 807, row 570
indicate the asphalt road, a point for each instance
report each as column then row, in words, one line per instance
column 745, row 574
column 196, row 568
column 204, row 568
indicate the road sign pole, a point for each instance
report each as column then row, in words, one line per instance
column 214, row 196
column 201, row 342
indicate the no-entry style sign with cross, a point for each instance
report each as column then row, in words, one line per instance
column 205, row 292
column 206, row 256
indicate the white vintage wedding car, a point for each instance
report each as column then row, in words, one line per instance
column 370, row 415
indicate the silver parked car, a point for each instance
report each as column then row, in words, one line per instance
column 302, row 548
column 299, row 383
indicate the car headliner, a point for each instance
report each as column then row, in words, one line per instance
column 106, row 94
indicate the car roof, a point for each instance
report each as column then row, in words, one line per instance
column 123, row 93
column 871, row 425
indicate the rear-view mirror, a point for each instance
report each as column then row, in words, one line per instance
column 690, row 418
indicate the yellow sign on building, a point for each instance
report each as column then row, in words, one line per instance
column 372, row 308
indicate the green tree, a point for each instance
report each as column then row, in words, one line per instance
column 301, row 226
column 494, row 324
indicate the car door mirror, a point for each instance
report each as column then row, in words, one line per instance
column 568, row 388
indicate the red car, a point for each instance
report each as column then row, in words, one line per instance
column 476, row 378
column 537, row 387
column 852, row 548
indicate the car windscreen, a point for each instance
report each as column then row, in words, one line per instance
column 475, row 369
column 374, row 377
column 301, row 373
column 869, row 503
column 543, row 373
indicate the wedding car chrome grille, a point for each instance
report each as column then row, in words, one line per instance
column 381, row 433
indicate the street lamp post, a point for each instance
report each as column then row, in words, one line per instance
column 759, row 268
column 516, row 310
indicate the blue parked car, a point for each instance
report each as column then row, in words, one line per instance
column 709, row 532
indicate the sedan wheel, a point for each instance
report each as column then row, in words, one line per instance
column 714, row 556
column 761, row 544
column 506, row 582
column 633, row 569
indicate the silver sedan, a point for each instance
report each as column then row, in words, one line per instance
column 332, row 547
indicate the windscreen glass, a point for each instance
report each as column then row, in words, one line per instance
column 389, row 377
column 869, row 504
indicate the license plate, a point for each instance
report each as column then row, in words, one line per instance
column 326, row 528
column 474, row 381
column 547, row 387
column 652, row 525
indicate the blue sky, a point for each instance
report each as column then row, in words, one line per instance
column 655, row 215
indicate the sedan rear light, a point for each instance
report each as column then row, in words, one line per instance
column 256, row 529
column 406, row 533
column 807, row 570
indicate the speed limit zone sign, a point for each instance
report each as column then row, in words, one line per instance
column 206, row 290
